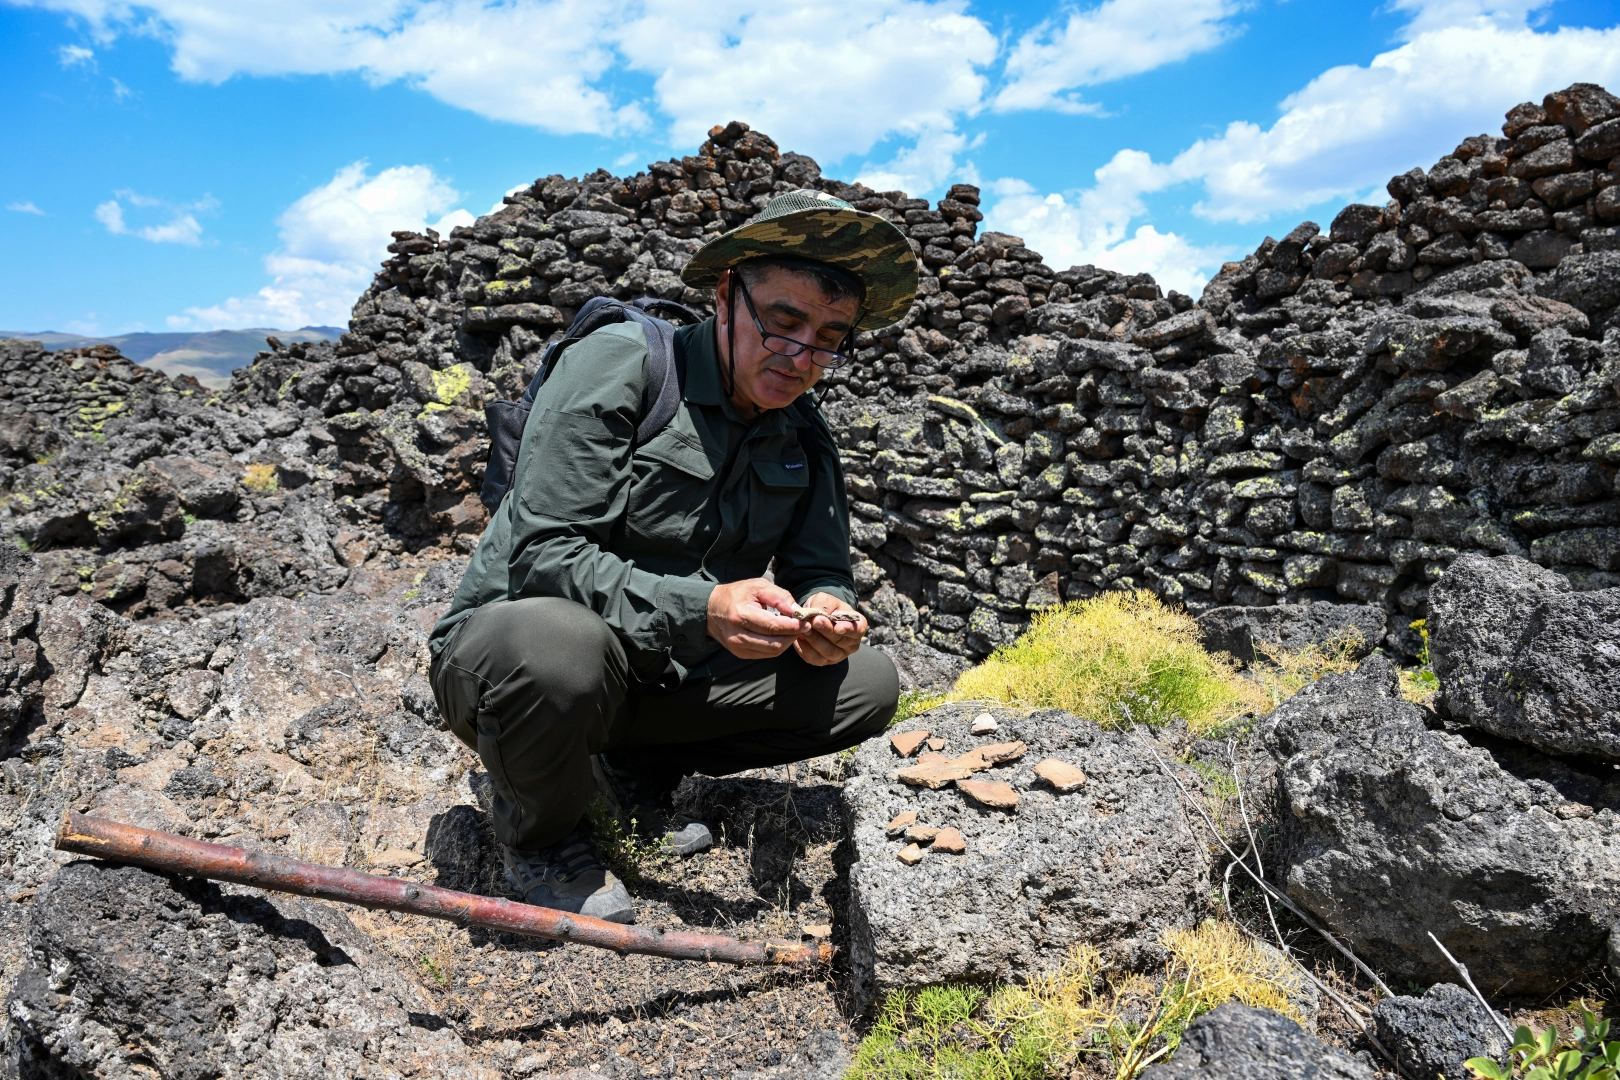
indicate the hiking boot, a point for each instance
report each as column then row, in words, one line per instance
column 632, row 796
column 569, row 876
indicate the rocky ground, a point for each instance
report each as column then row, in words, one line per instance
column 216, row 603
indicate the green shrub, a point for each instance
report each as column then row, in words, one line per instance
column 1119, row 658
column 1586, row 1056
column 913, row 702
column 1047, row 1029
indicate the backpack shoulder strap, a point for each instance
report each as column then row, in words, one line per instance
column 666, row 377
column 598, row 311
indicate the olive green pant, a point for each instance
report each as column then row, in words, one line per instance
column 538, row 685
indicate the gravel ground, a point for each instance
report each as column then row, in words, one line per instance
column 535, row 1007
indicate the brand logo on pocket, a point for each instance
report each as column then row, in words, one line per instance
column 792, row 464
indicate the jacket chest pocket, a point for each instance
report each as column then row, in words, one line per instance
column 673, row 483
column 777, row 486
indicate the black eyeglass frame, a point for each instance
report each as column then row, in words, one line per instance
column 839, row 359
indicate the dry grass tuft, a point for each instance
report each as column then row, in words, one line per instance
column 1282, row 673
column 1118, row 658
column 260, row 476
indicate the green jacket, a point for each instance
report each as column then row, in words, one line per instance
column 642, row 536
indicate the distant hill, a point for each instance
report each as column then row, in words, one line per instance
column 209, row 357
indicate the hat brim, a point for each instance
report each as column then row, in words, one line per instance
column 866, row 245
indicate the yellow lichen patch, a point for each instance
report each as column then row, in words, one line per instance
column 260, row 476
column 450, row 386
column 90, row 419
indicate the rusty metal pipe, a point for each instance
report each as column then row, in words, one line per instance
column 170, row 854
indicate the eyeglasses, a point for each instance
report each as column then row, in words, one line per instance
column 786, row 346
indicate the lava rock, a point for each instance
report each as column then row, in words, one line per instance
column 1292, row 626
column 1391, row 830
column 1432, row 1036
column 1244, row 1043
column 1114, row 865
column 1522, row 655
column 129, row 971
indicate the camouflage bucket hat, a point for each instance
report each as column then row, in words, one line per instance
column 814, row 225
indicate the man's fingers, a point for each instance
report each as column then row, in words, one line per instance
column 764, row 620
column 821, row 647
column 762, row 643
column 816, row 653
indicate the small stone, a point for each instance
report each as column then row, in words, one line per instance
column 984, row 724
column 930, row 758
column 900, row 823
column 991, row 793
column 950, row 841
column 394, row 858
column 922, row 834
column 936, row 743
column 997, row 753
column 906, row 743
column 691, row 838
column 817, row 930
column 982, row 757
column 911, row 854
column 1061, row 775
column 934, row 774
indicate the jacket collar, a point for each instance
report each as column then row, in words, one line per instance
column 703, row 385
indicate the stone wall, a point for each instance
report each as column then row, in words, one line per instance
column 1336, row 418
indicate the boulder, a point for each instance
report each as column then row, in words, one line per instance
column 1244, row 1043
column 924, row 668
column 1431, row 1036
column 133, row 973
column 1113, row 863
column 1293, row 626
column 1520, row 654
column 1391, row 830
column 22, row 594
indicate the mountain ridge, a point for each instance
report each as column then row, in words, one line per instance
column 209, row 355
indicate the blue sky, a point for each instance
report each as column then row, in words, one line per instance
column 198, row 164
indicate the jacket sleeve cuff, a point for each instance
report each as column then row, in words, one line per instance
column 685, row 603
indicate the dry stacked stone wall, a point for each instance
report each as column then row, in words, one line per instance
column 1339, row 416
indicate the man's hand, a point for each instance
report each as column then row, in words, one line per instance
column 749, row 620
column 833, row 634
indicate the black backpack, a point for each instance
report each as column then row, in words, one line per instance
column 658, row 404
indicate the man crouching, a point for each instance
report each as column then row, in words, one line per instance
column 616, row 606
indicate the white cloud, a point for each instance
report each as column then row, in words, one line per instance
column 332, row 240
column 181, row 227
column 24, row 208
column 921, row 167
column 1353, row 127
column 829, row 78
column 1460, row 66
column 76, row 55
column 1441, row 14
column 1115, row 39
column 1094, row 225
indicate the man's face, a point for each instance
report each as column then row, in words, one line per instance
column 793, row 306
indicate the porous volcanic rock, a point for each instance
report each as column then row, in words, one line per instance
column 131, row 972
column 1433, row 1035
column 1294, row 627
column 1521, row 655
column 1244, row 1043
column 1113, row 864
column 1392, row 829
